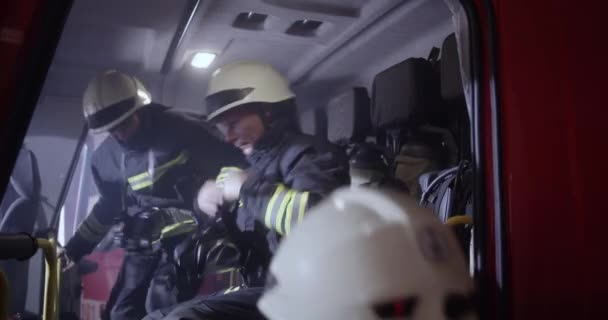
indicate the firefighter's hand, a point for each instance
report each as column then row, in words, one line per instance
column 210, row 198
column 231, row 185
column 67, row 263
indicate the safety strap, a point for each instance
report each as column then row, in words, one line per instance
column 434, row 60
column 177, row 222
column 442, row 205
column 148, row 178
column 178, row 228
column 124, row 183
column 434, row 55
column 450, row 184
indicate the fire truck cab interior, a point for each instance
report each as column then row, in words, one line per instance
column 391, row 78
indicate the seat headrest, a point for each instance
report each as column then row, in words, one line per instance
column 308, row 122
column 405, row 94
column 349, row 115
column 451, row 81
column 26, row 177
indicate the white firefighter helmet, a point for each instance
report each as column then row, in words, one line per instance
column 242, row 83
column 112, row 97
column 365, row 254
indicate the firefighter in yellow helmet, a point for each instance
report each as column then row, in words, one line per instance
column 254, row 108
column 147, row 173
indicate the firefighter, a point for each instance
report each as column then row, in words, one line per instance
column 376, row 255
column 147, row 173
column 254, row 108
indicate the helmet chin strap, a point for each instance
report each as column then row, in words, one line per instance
column 274, row 129
column 276, row 123
column 267, row 118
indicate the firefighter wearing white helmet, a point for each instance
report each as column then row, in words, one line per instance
column 252, row 106
column 111, row 98
column 365, row 254
column 147, row 172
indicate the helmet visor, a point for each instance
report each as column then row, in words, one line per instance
column 110, row 114
column 223, row 98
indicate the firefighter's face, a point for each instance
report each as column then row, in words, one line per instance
column 126, row 130
column 241, row 129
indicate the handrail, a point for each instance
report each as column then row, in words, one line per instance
column 22, row 247
column 459, row 220
column 52, row 276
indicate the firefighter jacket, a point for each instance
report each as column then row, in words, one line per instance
column 170, row 157
column 289, row 172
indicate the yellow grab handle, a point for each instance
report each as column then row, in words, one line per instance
column 52, row 272
column 459, row 220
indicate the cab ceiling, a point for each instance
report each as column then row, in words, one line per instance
column 356, row 38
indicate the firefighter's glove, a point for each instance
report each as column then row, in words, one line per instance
column 67, row 262
column 210, row 198
column 231, row 185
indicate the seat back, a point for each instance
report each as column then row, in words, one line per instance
column 349, row 115
column 24, row 200
column 406, row 106
column 19, row 210
column 452, row 93
column 450, row 78
column 405, row 95
column 441, row 190
column 449, row 192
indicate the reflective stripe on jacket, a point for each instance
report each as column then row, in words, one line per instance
column 287, row 179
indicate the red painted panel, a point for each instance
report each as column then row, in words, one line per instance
column 552, row 81
column 97, row 285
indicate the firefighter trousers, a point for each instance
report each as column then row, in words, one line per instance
column 236, row 305
column 128, row 296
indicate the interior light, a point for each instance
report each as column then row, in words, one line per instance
column 202, row 60
column 144, row 96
